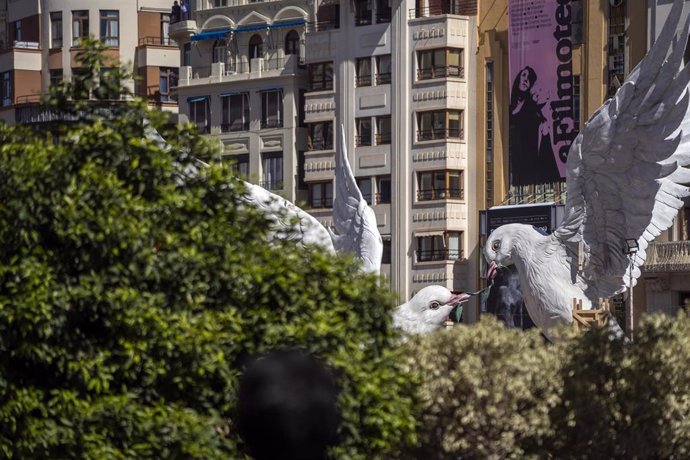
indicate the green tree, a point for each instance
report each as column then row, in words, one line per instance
column 132, row 292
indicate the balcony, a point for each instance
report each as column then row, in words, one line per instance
column 321, row 203
column 383, row 78
column 440, row 194
column 157, row 41
column 322, row 25
column 436, row 134
column 668, row 257
column 441, row 72
column 272, row 184
column 459, row 7
column 383, row 138
column 242, row 70
column 437, row 255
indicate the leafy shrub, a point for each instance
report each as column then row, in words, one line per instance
column 486, row 392
column 132, row 293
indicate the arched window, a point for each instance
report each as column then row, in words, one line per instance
column 256, row 47
column 220, row 51
column 292, row 42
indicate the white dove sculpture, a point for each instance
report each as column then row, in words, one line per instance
column 624, row 176
column 427, row 310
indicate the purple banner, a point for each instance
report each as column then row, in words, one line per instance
column 541, row 90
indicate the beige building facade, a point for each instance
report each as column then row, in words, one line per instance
column 41, row 42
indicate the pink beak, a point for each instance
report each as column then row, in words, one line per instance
column 492, row 270
column 459, row 298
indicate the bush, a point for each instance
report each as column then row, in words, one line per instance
column 131, row 297
column 486, row 392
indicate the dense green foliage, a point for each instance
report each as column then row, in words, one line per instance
column 131, row 294
column 489, row 392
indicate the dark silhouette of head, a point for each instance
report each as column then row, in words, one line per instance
column 287, row 407
column 522, row 86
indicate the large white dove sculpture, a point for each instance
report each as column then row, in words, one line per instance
column 428, row 310
column 624, row 176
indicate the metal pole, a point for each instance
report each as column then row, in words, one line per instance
column 631, row 305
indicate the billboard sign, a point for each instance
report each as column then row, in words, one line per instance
column 542, row 126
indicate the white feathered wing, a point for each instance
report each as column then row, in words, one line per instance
column 625, row 170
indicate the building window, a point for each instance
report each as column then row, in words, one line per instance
column 363, row 126
column 440, row 63
column 576, row 102
column 489, row 134
column 440, row 124
column 272, row 109
column 55, row 77
column 577, row 15
column 365, row 187
column 168, row 80
column 301, row 110
column 56, row 29
column 320, row 136
column 80, row 25
column 79, row 80
column 240, row 165
column 235, row 112
column 383, row 130
column 383, row 189
column 110, row 27
column 363, row 77
column 292, row 42
column 200, row 114
column 321, row 195
column 327, row 16
column 187, row 54
column 616, row 46
column 18, row 31
column 321, row 76
column 165, row 30
column 362, row 12
column 439, row 185
column 383, row 69
column 386, row 254
column 301, row 185
column 6, row 82
column 383, row 11
column 272, row 170
column 256, row 47
column 444, row 246
column 220, row 51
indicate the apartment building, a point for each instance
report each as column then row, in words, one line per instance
column 40, row 42
column 397, row 75
column 243, row 80
column 606, row 39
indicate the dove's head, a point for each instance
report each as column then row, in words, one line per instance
column 500, row 249
column 431, row 306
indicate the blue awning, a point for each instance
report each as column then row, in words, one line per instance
column 211, row 34
column 196, row 99
column 252, row 28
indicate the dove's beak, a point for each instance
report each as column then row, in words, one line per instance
column 458, row 299
column 492, row 270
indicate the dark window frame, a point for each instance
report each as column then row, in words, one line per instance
column 107, row 18
column 444, row 192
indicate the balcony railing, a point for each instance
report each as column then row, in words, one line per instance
column 460, row 7
column 319, row 26
column 363, row 18
column 265, row 124
column 434, row 134
column 383, row 198
column 383, row 17
column 272, row 184
column 234, row 127
column 439, row 255
column 668, row 257
column 383, row 138
column 362, row 141
column 320, row 144
column 321, row 85
column 158, row 41
column 440, row 194
column 363, row 80
column 321, row 203
column 441, row 72
column 383, row 78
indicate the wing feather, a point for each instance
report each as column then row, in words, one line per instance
column 627, row 169
column 355, row 225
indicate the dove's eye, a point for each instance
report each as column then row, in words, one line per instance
column 434, row 305
column 496, row 245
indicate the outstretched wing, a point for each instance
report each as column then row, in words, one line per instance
column 290, row 221
column 356, row 231
column 626, row 167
